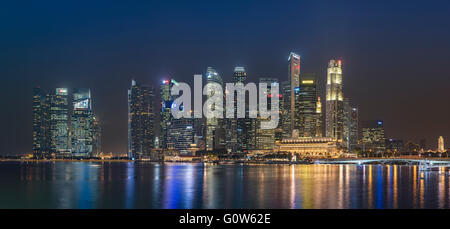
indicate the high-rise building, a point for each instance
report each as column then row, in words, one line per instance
column 354, row 131
column 334, row 123
column 96, row 137
column 214, row 133
column 59, row 123
column 307, row 116
column 350, row 139
column 294, row 81
column 165, row 114
column 140, row 120
column 181, row 134
column 374, row 139
column 81, row 131
column 265, row 138
column 41, row 123
column 285, row 107
column 441, row 147
column 245, row 127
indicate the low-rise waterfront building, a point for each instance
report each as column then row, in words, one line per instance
column 312, row 147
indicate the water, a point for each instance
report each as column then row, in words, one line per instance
column 146, row 185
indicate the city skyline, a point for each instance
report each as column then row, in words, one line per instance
column 384, row 74
column 183, row 134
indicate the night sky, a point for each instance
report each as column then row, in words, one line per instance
column 396, row 55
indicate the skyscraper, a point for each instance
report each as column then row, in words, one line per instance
column 294, row 81
column 265, row 138
column 245, row 127
column 181, row 134
column 441, row 147
column 374, row 139
column 140, row 120
column 215, row 134
column 41, row 123
column 97, row 137
column 285, row 108
column 165, row 114
column 59, row 122
column 350, row 139
column 334, row 123
column 82, row 123
column 307, row 116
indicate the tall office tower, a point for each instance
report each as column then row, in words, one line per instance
column 81, row 131
column 374, row 139
column 59, row 122
column 294, row 80
column 334, row 123
column 350, row 139
column 96, row 137
column 306, row 116
column 285, row 107
column 441, row 147
column 347, row 113
column 319, row 126
column 181, row 134
column 140, row 120
column 41, row 124
column 165, row 114
column 265, row 138
column 214, row 133
column 354, row 131
column 245, row 127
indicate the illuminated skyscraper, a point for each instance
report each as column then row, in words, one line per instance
column 334, row 123
column 81, row 130
column 350, row 139
column 265, row 138
column 214, row 133
column 307, row 115
column 59, row 122
column 165, row 114
column 441, row 147
column 41, row 123
column 294, row 81
column 181, row 134
column 285, row 105
column 140, row 120
column 374, row 139
column 244, row 128
column 97, row 137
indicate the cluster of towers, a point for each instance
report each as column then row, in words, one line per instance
column 62, row 131
column 300, row 107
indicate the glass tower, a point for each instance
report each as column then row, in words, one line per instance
column 334, row 123
column 82, row 128
column 140, row 120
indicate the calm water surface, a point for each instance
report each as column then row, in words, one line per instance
column 147, row 185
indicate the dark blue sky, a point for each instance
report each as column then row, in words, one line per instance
column 396, row 54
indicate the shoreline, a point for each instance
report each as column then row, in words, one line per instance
column 341, row 161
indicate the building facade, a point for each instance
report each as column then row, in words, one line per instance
column 41, row 124
column 334, row 123
column 308, row 115
column 373, row 139
column 165, row 113
column 294, row 81
column 59, row 123
column 441, row 146
column 321, row 147
column 141, row 117
column 82, row 129
column 214, row 133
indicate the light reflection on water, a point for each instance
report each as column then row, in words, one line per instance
column 146, row 185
